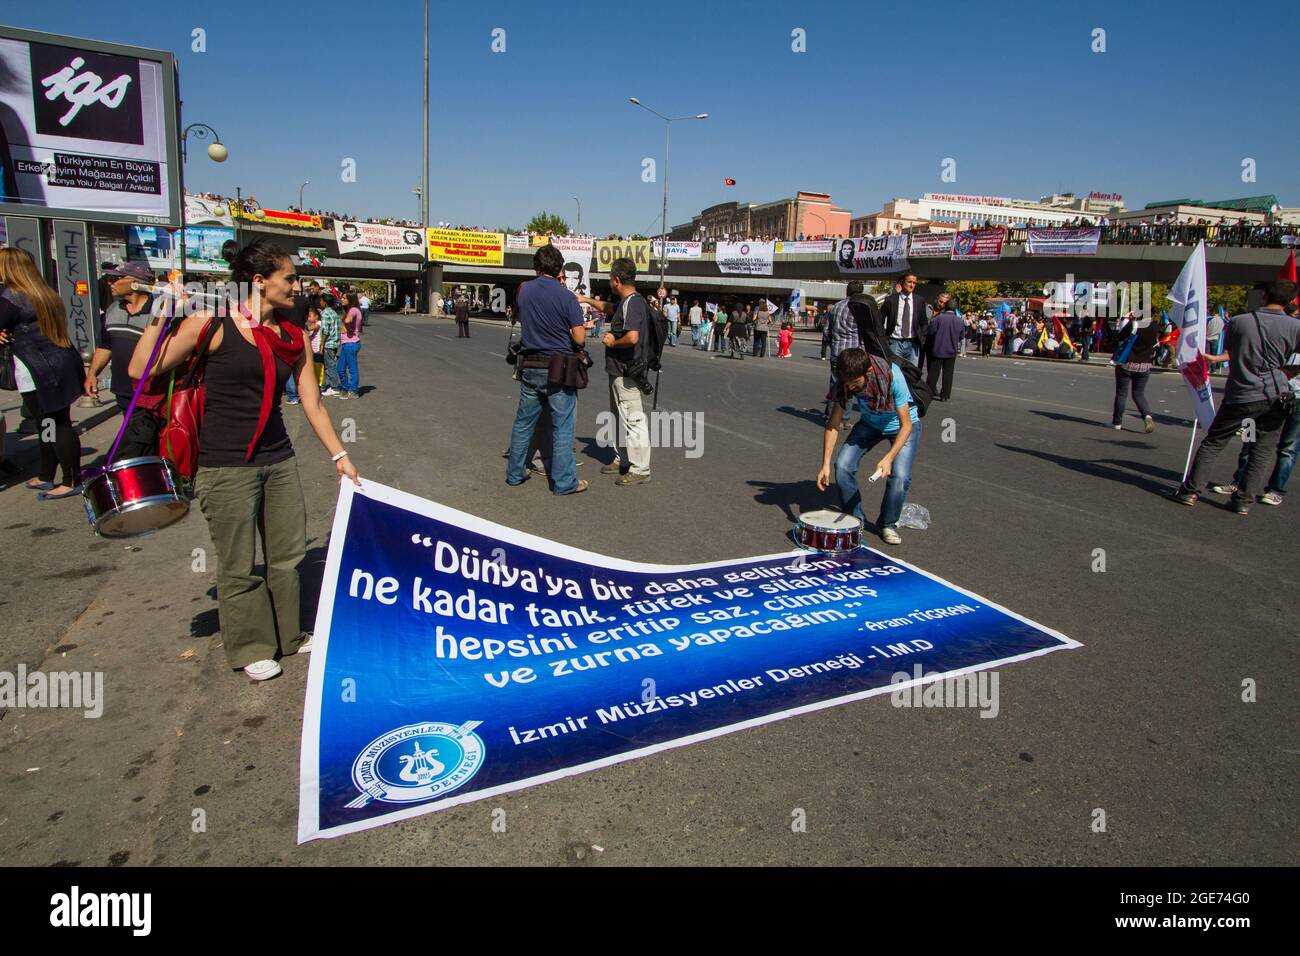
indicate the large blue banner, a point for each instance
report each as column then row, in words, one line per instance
column 456, row 659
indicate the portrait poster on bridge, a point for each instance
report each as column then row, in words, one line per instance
column 87, row 130
column 930, row 245
column 1063, row 241
column 457, row 659
column 362, row 238
column 872, row 254
column 978, row 244
column 466, row 245
column 577, row 252
column 746, row 258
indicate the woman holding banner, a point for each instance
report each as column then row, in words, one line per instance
column 247, row 482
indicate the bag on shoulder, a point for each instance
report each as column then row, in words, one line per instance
column 922, row 393
column 179, row 440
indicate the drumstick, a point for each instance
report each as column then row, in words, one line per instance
column 876, row 476
column 168, row 289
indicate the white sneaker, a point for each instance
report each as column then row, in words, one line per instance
column 890, row 536
column 305, row 646
column 262, row 670
column 1150, row 424
column 327, row 393
column 1270, row 498
column 1118, row 428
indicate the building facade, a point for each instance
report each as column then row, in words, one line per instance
column 805, row 214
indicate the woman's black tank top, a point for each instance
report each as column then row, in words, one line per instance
column 233, row 386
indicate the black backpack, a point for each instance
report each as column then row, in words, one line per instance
column 651, row 348
column 871, row 330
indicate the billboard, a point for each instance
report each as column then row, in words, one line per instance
column 158, row 248
column 88, row 130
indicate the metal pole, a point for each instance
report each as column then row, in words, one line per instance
column 663, row 233
column 577, row 228
column 425, row 293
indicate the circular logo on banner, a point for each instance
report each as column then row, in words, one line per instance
column 964, row 243
column 417, row 762
column 744, row 248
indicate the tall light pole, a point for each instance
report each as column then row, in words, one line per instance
column 217, row 152
column 577, row 228
column 668, row 122
column 300, row 189
column 419, row 202
column 424, row 171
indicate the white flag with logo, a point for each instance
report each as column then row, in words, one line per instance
column 1189, row 296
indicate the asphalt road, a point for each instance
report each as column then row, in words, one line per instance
column 193, row 764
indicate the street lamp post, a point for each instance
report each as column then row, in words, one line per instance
column 217, row 152
column 300, row 189
column 577, row 228
column 663, row 235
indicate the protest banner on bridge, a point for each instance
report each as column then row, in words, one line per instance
column 930, row 245
column 1063, row 241
column 607, row 250
column 200, row 211
column 745, row 258
column 456, row 659
column 678, row 249
column 872, row 254
column 978, row 244
column 377, row 239
column 805, row 247
column 278, row 217
column 519, row 242
column 466, row 245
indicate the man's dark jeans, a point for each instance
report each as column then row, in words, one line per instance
column 936, row 365
column 1268, row 418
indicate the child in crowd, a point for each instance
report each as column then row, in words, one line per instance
column 784, row 340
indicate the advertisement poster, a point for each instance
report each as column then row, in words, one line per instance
column 87, row 130
column 360, row 238
column 158, row 248
column 745, row 258
column 930, row 245
column 872, row 255
column 978, row 244
column 466, row 245
column 485, row 660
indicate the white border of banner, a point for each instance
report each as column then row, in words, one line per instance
column 309, row 766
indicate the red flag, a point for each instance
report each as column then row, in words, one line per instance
column 732, row 182
column 1288, row 272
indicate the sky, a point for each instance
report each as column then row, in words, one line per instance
column 883, row 93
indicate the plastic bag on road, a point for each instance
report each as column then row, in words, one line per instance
column 914, row 516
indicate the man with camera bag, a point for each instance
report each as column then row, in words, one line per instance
column 551, row 325
column 628, row 376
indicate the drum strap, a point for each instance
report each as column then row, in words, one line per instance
column 144, row 379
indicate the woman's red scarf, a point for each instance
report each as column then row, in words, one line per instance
column 271, row 346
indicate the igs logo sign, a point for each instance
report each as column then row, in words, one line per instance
column 86, row 95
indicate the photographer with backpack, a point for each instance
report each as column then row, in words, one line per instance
column 627, row 367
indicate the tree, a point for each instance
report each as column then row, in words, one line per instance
column 1231, row 297
column 1020, row 290
column 972, row 296
column 547, row 222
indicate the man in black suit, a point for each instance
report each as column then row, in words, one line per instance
column 905, row 320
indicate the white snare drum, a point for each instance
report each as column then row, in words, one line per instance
column 830, row 532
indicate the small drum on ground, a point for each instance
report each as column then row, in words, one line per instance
column 132, row 497
column 830, row 532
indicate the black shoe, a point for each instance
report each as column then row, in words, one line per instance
column 1239, row 506
column 1183, row 497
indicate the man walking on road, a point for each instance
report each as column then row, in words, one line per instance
column 942, row 340
column 461, row 309
column 1257, row 395
column 673, row 313
column 905, row 320
column 697, row 317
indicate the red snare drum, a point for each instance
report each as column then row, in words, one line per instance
column 828, row 531
column 132, row 497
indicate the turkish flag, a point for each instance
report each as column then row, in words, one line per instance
column 732, row 182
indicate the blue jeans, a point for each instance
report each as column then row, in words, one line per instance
column 1287, row 447
column 905, row 348
column 349, row 377
column 563, row 402
column 861, row 440
column 291, row 387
